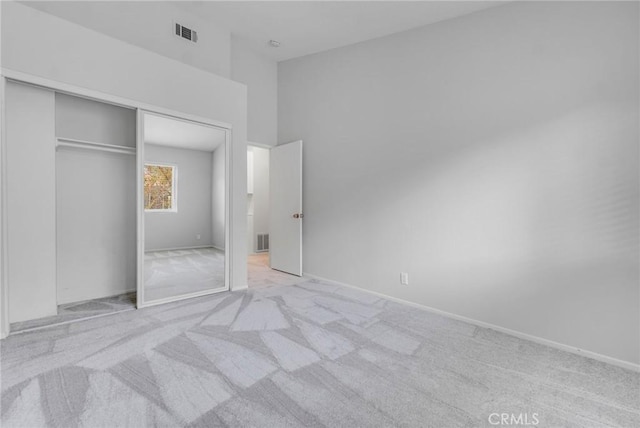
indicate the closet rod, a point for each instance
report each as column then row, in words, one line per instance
column 80, row 144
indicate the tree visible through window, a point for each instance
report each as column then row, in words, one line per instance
column 160, row 187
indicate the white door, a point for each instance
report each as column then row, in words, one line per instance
column 30, row 228
column 285, row 219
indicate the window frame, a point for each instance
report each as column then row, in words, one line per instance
column 174, row 188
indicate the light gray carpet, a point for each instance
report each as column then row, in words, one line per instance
column 80, row 310
column 310, row 354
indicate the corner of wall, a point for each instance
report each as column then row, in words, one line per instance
column 260, row 75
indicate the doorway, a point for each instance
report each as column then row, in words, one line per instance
column 274, row 188
column 258, row 195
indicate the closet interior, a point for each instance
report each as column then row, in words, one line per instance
column 95, row 200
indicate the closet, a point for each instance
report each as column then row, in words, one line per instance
column 75, row 212
column 95, row 199
column 71, row 200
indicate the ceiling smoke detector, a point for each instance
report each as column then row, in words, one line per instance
column 274, row 43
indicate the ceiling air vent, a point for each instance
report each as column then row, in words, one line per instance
column 186, row 33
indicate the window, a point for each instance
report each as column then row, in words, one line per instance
column 160, row 187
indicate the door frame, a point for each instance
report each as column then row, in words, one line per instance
column 140, row 113
column 4, row 228
column 8, row 74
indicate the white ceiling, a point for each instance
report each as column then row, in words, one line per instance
column 164, row 131
column 302, row 27
column 306, row 27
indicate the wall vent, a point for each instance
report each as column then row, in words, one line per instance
column 263, row 242
column 186, row 33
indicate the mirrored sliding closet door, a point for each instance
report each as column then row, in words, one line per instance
column 183, row 202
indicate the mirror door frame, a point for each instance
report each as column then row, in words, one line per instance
column 140, row 113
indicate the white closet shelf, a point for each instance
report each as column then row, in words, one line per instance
column 80, row 144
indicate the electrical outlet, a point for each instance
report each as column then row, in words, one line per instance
column 198, row 236
column 404, row 278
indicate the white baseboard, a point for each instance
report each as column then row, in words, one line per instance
column 240, row 288
column 568, row 348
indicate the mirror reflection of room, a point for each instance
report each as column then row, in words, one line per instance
column 184, row 208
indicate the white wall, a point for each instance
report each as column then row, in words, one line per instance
column 260, row 74
column 180, row 229
column 150, row 25
column 493, row 157
column 260, row 191
column 39, row 44
column 87, row 120
column 95, row 225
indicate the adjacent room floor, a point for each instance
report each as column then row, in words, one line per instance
column 303, row 354
column 261, row 275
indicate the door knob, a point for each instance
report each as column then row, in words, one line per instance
column 296, row 215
